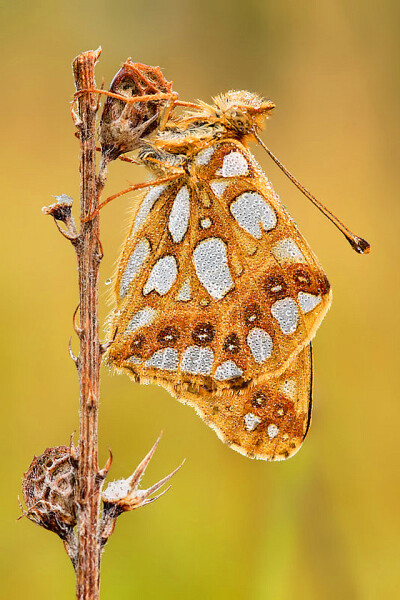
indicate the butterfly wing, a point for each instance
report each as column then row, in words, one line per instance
column 267, row 419
column 215, row 285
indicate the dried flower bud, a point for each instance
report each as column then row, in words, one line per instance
column 60, row 210
column 49, row 490
column 123, row 124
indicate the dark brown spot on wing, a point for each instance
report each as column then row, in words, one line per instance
column 203, row 333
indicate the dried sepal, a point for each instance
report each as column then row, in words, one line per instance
column 124, row 495
column 102, row 473
column 123, row 124
column 49, row 488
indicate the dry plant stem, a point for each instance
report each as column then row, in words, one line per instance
column 88, row 255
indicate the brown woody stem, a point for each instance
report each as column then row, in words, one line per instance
column 88, row 256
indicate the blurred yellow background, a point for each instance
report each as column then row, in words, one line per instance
column 324, row 525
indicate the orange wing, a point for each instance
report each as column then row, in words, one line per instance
column 267, row 419
column 215, row 285
column 218, row 296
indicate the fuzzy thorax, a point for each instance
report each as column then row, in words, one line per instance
column 238, row 111
column 234, row 114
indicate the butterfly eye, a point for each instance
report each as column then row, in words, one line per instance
column 168, row 336
column 203, row 333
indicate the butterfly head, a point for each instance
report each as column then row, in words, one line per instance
column 242, row 112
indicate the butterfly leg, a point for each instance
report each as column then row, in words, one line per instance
column 131, row 188
column 171, row 96
column 170, row 107
column 145, row 98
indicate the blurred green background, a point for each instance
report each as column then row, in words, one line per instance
column 324, row 525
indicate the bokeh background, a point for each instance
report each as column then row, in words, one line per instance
column 324, row 525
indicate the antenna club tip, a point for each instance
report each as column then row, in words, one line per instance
column 361, row 246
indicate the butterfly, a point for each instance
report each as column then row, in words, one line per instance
column 217, row 293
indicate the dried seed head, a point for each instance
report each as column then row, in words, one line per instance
column 120, row 493
column 49, row 489
column 124, row 494
column 123, row 124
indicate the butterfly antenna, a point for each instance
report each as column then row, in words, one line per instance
column 358, row 244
